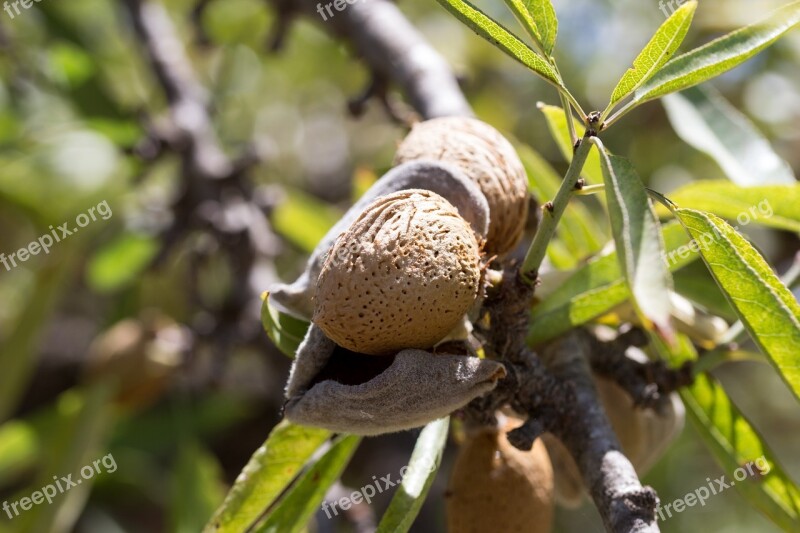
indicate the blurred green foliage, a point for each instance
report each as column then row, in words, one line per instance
column 73, row 88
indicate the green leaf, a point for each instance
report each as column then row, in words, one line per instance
column 285, row 331
column 735, row 443
column 578, row 234
column 708, row 122
column 695, row 283
column 596, row 288
column 557, row 124
column 495, row 33
column 640, row 249
column 774, row 206
column 765, row 306
column 121, row 262
column 539, row 19
column 661, row 47
column 301, row 502
column 270, row 470
column 304, row 220
column 417, row 479
column 719, row 56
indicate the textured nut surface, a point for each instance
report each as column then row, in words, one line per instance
column 402, row 276
column 487, row 158
column 496, row 487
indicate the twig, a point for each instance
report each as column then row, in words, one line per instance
column 393, row 49
column 649, row 383
column 553, row 210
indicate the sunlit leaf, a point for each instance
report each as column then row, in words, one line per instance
column 735, row 444
column 637, row 234
column 271, row 469
column 503, row 39
column 293, row 511
column 284, row 330
column 417, row 479
column 661, row 47
column 596, row 288
column 695, row 283
column 539, row 19
column 708, row 122
column 720, row 55
column 774, row 206
column 765, row 306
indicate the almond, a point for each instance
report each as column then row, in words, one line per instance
column 488, row 159
column 402, row 276
column 496, row 487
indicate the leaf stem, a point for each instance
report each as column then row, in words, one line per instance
column 619, row 114
column 529, row 271
column 565, row 104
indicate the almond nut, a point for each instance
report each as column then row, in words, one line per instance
column 496, row 487
column 487, row 158
column 402, row 276
column 442, row 178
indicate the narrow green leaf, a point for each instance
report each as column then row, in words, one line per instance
column 301, row 502
column 578, row 233
column 720, row 55
column 640, row 249
column 661, row 47
column 765, row 306
column 285, row 331
column 525, row 18
column 695, row 283
column 705, row 120
column 735, row 444
column 539, row 19
column 417, row 479
column 546, row 20
column 495, row 33
column 557, row 124
column 597, row 288
column 270, row 470
column 774, row 206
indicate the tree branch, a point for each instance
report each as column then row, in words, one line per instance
column 394, row 50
